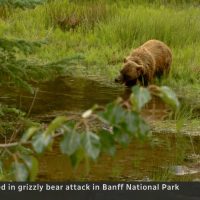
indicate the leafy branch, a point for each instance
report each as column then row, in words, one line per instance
column 119, row 123
column 19, row 72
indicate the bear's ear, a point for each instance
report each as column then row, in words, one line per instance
column 125, row 60
column 139, row 69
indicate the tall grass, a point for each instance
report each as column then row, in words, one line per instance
column 155, row 2
column 137, row 24
column 68, row 15
column 106, row 31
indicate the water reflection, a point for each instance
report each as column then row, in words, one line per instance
column 63, row 94
column 69, row 94
column 138, row 161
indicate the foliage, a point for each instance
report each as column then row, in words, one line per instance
column 13, row 69
column 16, row 68
column 13, row 121
column 120, row 122
column 18, row 72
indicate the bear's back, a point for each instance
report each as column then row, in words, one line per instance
column 160, row 52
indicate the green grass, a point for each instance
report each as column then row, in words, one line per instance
column 105, row 31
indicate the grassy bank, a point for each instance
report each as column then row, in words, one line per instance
column 105, row 31
column 102, row 33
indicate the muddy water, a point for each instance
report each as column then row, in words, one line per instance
column 62, row 94
column 72, row 95
column 157, row 159
column 154, row 160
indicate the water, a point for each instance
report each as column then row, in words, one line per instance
column 161, row 158
column 62, row 94
column 158, row 159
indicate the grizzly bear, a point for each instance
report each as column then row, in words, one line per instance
column 152, row 59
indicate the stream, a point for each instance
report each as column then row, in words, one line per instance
column 164, row 157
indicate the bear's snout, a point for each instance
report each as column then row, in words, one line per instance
column 130, row 83
column 119, row 79
column 116, row 80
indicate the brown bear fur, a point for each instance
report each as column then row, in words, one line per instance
column 150, row 60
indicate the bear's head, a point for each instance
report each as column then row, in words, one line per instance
column 130, row 73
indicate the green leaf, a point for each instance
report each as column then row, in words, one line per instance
column 55, row 124
column 91, row 144
column 121, row 136
column 20, row 171
column 139, row 97
column 70, row 142
column 25, row 150
column 32, row 165
column 113, row 114
column 131, row 122
column 29, row 133
column 143, row 129
column 169, row 97
column 77, row 157
column 107, row 141
column 69, row 125
column 41, row 142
